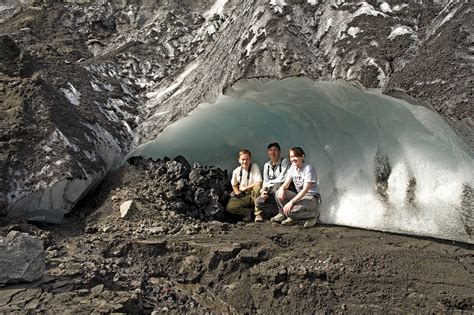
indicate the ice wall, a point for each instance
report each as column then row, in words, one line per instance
column 382, row 163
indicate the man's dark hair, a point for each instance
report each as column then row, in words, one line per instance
column 274, row 144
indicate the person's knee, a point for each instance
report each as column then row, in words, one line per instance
column 231, row 206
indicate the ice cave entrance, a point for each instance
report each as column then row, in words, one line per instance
column 382, row 163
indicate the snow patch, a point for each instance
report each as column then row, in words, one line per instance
column 399, row 30
column 46, row 148
column 385, row 7
column 381, row 77
column 399, row 7
column 95, row 87
column 170, row 49
column 216, row 9
column 367, row 9
column 159, row 96
column 127, row 90
column 211, row 29
column 353, row 31
column 59, row 162
column 59, row 135
column 254, row 39
column 73, row 95
column 449, row 16
column 436, row 81
column 278, row 5
column 90, row 155
column 116, row 106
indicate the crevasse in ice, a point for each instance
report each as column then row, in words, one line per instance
column 382, row 163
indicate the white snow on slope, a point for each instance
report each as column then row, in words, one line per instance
column 278, row 5
column 398, row 7
column 160, row 96
column 353, row 31
column 399, row 30
column 385, row 7
column 73, row 95
column 367, row 9
column 217, row 8
column 254, row 39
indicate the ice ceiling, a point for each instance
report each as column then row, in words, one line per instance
column 382, row 163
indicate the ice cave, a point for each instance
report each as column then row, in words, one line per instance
column 382, row 163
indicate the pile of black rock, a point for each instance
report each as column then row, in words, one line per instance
column 174, row 185
column 159, row 197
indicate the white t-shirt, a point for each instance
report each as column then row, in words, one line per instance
column 246, row 178
column 307, row 174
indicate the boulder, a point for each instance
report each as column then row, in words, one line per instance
column 22, row 258
column 126, row 207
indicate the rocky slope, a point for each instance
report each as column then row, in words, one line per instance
column 81, row 80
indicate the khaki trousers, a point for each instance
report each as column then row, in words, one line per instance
column 245, row 205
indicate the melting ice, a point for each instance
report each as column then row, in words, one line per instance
column 382, row 163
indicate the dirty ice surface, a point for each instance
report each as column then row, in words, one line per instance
column 382, row 163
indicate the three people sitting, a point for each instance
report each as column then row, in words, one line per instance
column 249, row 196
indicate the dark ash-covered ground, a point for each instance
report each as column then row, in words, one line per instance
column 170, row 256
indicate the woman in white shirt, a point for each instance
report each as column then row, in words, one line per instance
column 303, row 204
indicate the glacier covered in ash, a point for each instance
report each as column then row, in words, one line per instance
column 382, row 163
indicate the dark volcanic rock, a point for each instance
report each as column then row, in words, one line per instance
column 22, row 258
column 164, row 196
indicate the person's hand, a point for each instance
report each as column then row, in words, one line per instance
column 264, row 194
column 280, row 193
column 242, row 188
column 287, row 208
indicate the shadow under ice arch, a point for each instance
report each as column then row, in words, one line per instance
column 382, row 163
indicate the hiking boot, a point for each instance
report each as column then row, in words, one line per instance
column 288, row 221
column 280, row 217
column 258, row 218
column 310, row 223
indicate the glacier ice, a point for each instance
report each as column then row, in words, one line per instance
column 383, row 164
